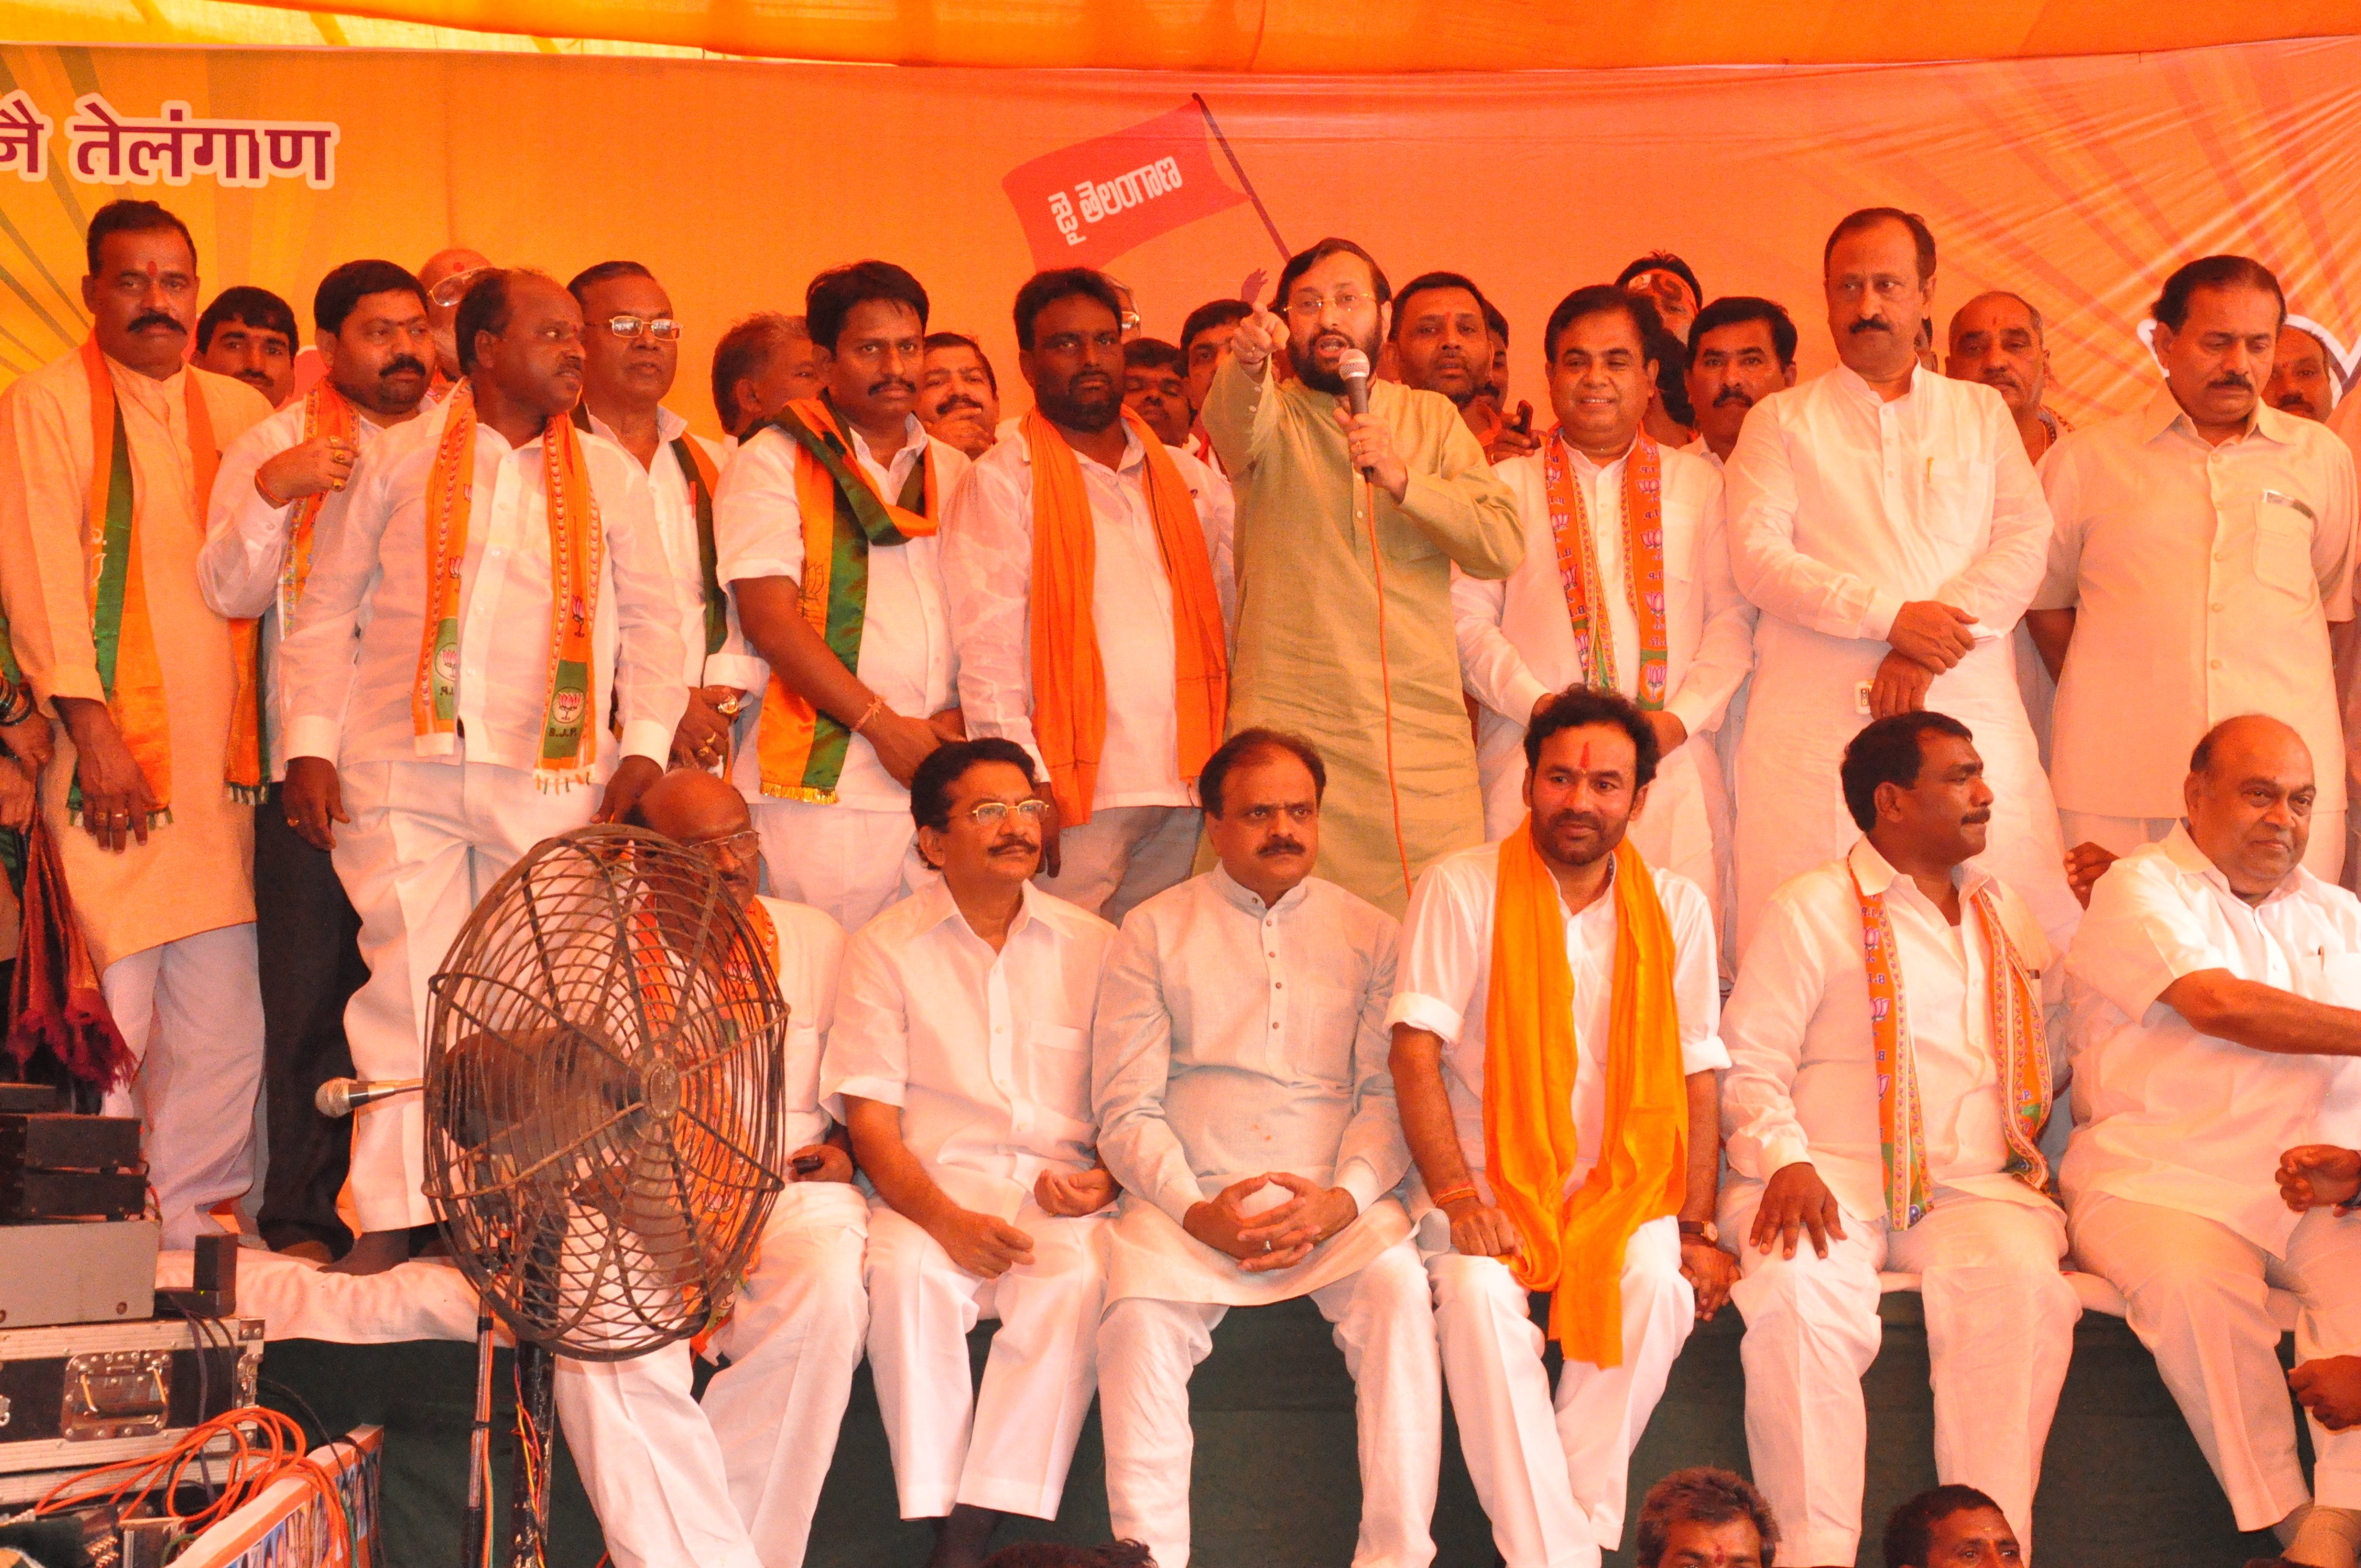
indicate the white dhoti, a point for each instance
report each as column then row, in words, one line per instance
column 847, row 861
column 2000, row 1333
column 733, row 1482
column 1802, row 713
column 1013, row 1454
column 426, row 840
column 1124, row 856
column 2324, row 856
column 2197, row 1294
column 1684, row 827
column 191, row 1013
column 1553, row 1475
column 1149, row 1347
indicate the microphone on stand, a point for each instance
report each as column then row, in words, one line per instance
column 1353, row 369
column 340, row 1097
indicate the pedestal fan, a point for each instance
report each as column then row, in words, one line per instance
column 603, row 1083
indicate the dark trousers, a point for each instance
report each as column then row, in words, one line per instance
column 309, row 938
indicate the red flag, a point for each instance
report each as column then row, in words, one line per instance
column 1085, row 205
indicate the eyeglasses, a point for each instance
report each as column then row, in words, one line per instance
column 1312, row 307
column 663, row 329
column 992, row 813
column 741, row 847
column 454, row 289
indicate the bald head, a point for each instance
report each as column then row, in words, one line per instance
column 704, row 812
column 2249, row 796
column 443, row 304
column 1997, row 339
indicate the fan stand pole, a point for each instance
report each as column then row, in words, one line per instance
column 528, row 1483
column 475, row 1541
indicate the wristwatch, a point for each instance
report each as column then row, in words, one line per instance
column 1705, row 1231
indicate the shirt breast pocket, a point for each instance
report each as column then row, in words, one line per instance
column 2283, row 545
column 1332, row 1023
column 1057, row 1071
column 1959, row 500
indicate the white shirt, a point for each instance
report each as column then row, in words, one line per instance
column 2164, row 1114
column 907, row 654
column 1236, row 1038
column 368, row 571
column 1802, row 1075
column 811, row 950
column 239, row 567
column 1844, row 505
column 988, row 567
column 2202, row 580
column 1516, row 637
column 1446, row 980
column 1695, row 447
column 674, row 505
column 987, row 1054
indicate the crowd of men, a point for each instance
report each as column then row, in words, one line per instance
column 1244, row 830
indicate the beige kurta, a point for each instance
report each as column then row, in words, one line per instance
column 195, row 872
column 1309, row 656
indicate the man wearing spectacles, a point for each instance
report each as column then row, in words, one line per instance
column 1348, row 526
column 447, row 277
column 1084, row 557
column 741, row 1470
column 962, row 1054
column 1239, row 1065
column 630, row 350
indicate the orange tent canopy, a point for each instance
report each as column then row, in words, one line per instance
column 1327, row 37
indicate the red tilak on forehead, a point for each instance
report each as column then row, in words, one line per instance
column 1585, row 757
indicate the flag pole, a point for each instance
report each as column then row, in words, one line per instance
column 1239, row 169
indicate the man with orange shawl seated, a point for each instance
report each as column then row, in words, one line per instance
column 1088, row 566
column 106, row 456
column 1889, row 1079
column 1553, row 1062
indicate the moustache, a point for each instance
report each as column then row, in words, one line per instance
column 1565, row 820
column 1870, row 324
column 1008, row 841
column 1733, row 395
column 892, row 384
column 2002, row 379
column 957, row 403
column 157, row 318
column 1278, row 846
column 400, row 364
column 1331, row 343
column 2234, row 380
column 1976, row 818
column 1095, row 380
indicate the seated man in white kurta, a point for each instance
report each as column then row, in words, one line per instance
column 1626, row 584
column 1946, row 1015
column 1559, row 955
column 1239, row 1066
column 2214, row 987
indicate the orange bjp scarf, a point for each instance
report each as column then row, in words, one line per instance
column 123, row 633
column 1574, row 1244
column 1069, row 679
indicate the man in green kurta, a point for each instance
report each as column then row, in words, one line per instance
column 1348, row 529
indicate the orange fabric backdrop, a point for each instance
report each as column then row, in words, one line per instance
column 2078, row 182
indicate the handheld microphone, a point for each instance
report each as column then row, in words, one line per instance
column 1352, row 368
column 340, row 1097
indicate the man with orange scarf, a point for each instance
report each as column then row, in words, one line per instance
column 825, row 527
column 1087, row 562
column 1889, row 1079
column 276, row 483
column 1555, row 1058
column 107, row 457
column 490, row 602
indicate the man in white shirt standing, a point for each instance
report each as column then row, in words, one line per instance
column 1741, row 349
column 491, row 591
column 1888, row 523
column 1560, row 945
column 1625, row 585
column 2215, row 989
column 2204, row 549
column 279, row 484
column 844, row 598
column 961, row 1055
column 1890, row 1073
column 731, row 1481
column 1245, row 1106
column 1084, row 557
column 631, row 353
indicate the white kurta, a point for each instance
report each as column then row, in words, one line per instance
column 1803, row 1087
column 1842, row 508
column 1516, row 646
